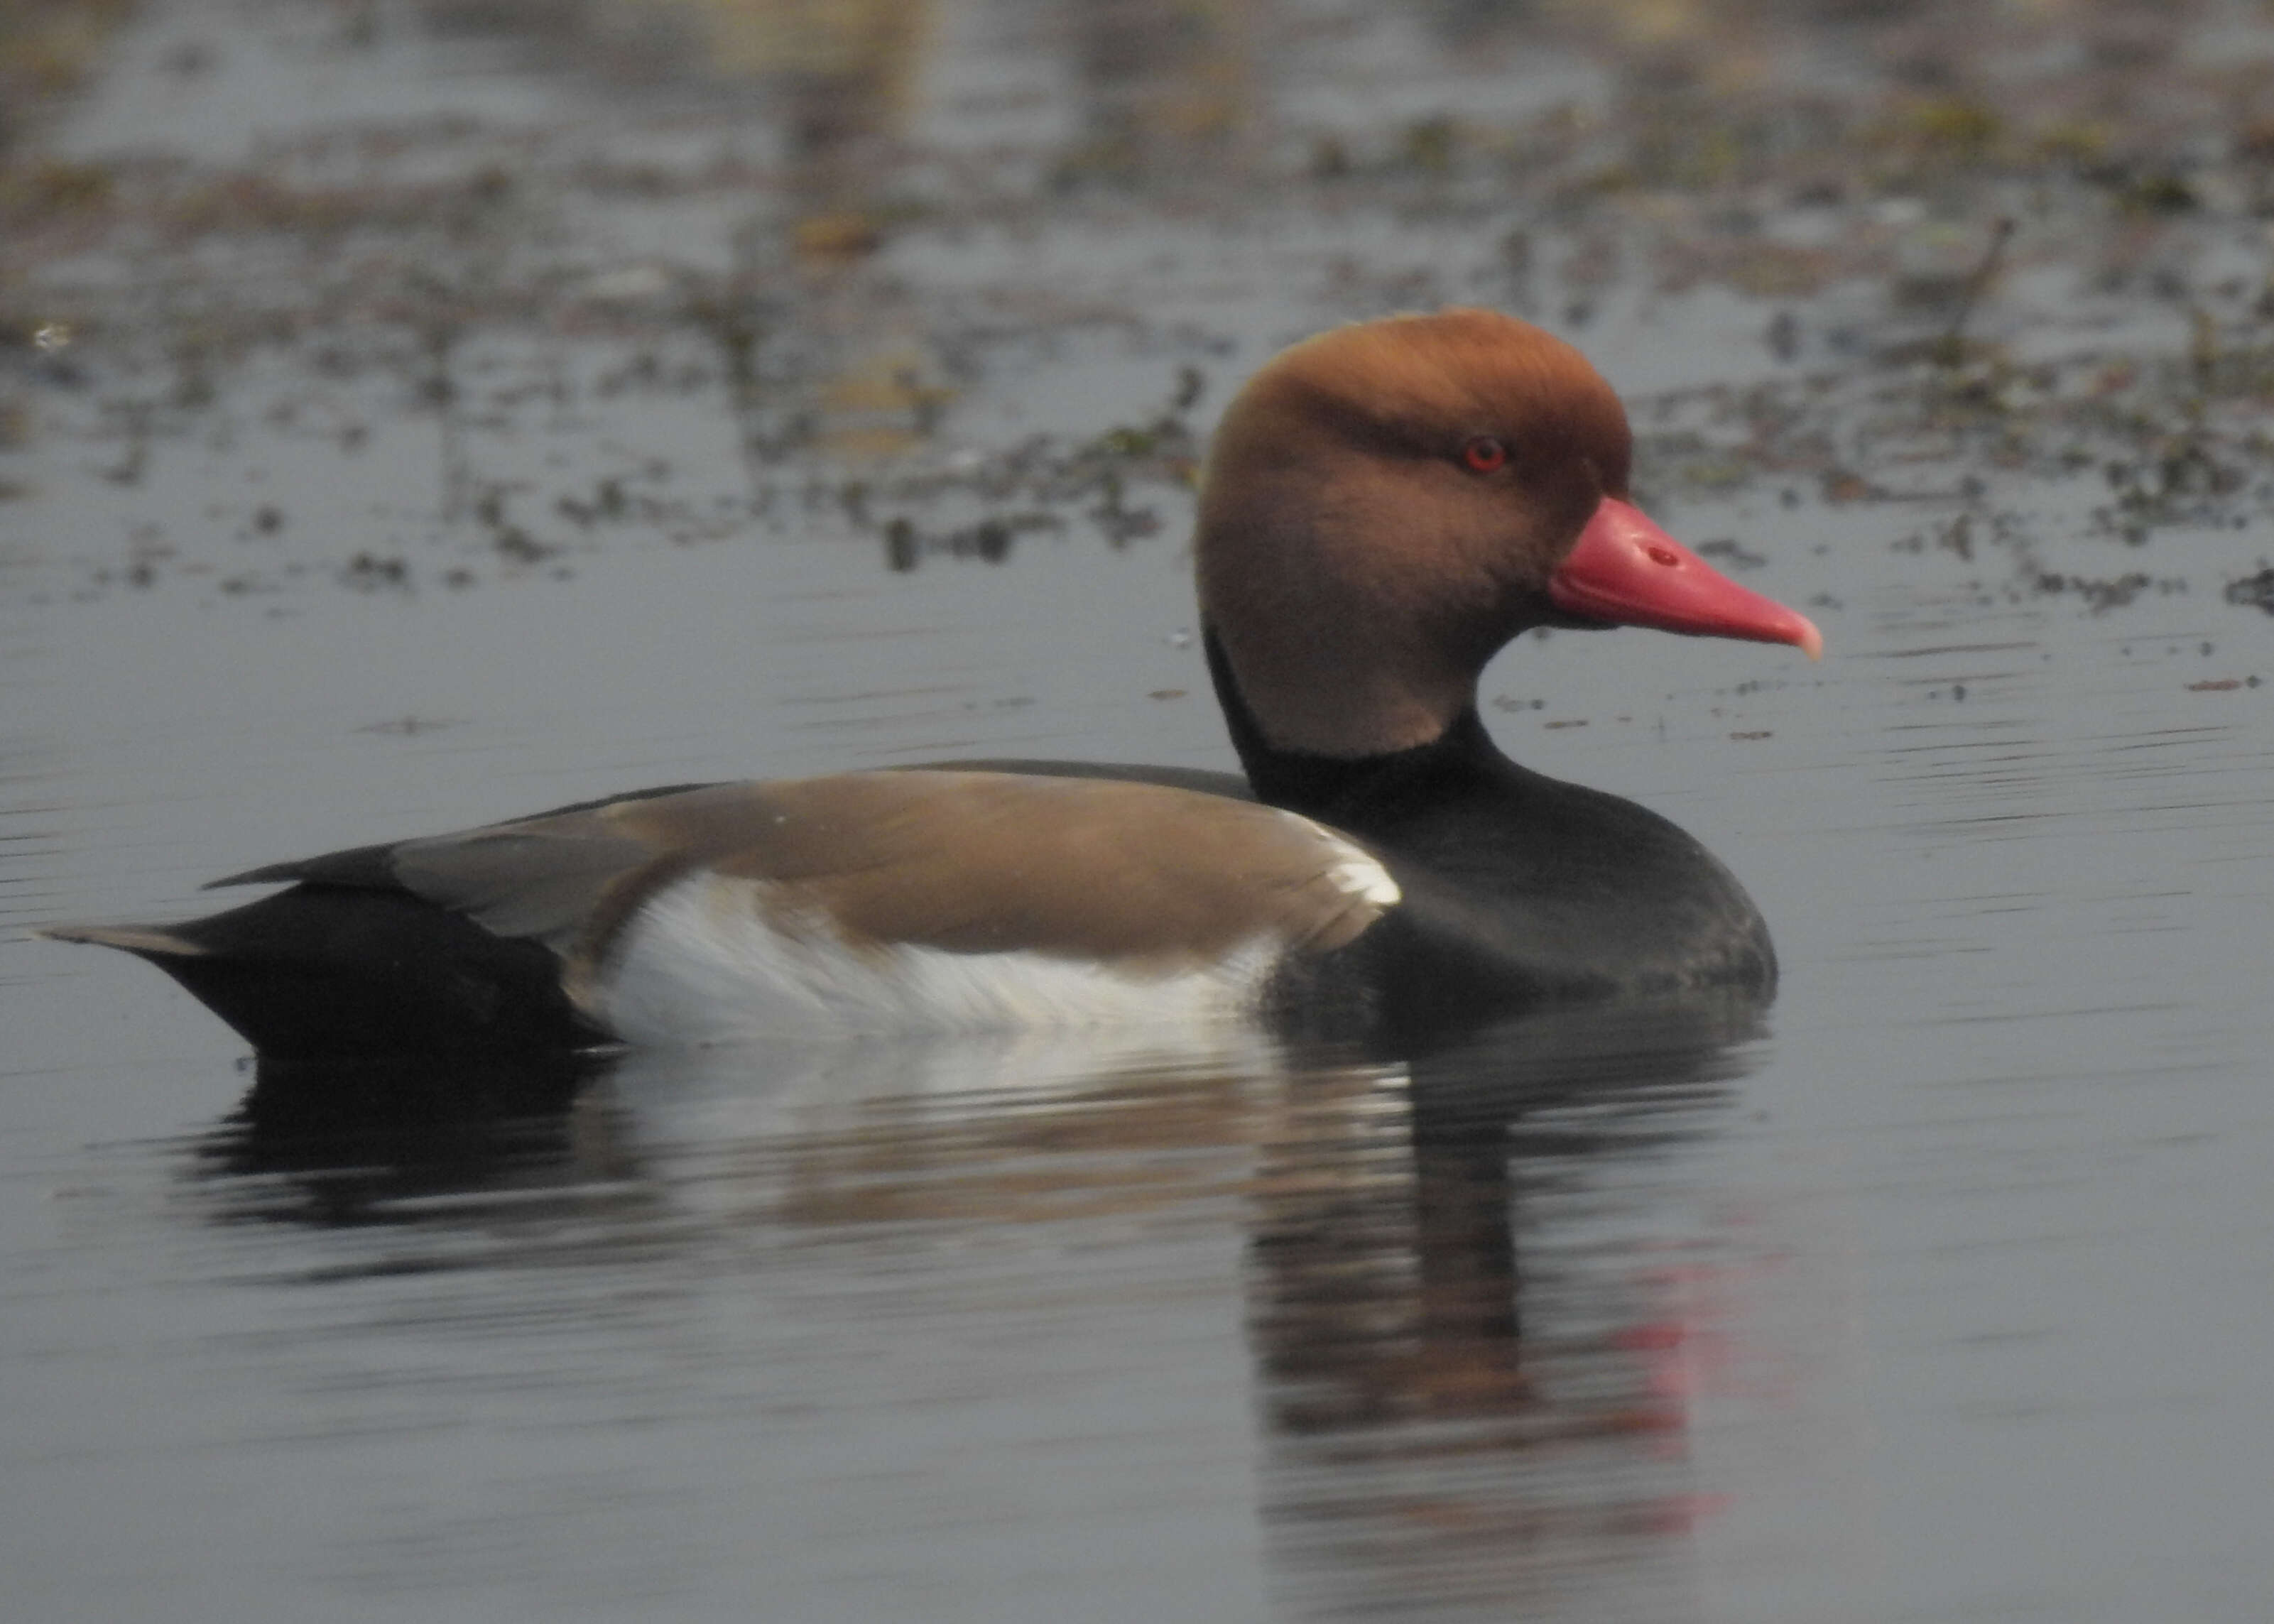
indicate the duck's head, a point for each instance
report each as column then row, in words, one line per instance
column 1385, row 505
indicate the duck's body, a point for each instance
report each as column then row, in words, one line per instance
column 1385, row 506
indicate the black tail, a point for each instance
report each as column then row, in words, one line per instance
column 325, row 971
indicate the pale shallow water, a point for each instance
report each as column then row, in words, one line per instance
column 1938, row 1292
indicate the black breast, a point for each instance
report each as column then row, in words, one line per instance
column 1520, row 889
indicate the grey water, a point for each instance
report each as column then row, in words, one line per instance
column 1939, row 1290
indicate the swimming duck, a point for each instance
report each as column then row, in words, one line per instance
column 1384, row 505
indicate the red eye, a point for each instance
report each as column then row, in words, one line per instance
column 1484, row 455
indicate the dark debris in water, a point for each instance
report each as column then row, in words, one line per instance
column 2257, row 589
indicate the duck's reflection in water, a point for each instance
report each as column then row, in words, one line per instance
column 348, row 1142
column 1459, row 1361
column 1468, row 1370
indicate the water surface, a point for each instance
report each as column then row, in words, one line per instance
column 1931, row 1293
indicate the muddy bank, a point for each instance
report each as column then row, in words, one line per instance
column 300, row 297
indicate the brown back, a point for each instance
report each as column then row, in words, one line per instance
column 1150, row 879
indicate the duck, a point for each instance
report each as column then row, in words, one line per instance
column 1383, row 507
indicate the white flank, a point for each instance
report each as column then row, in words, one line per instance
column 703, row 964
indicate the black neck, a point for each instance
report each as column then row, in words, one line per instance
column 1340, row 790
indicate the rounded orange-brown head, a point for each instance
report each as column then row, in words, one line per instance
column 1385, row 505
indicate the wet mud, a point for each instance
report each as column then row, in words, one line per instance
column 480, row 290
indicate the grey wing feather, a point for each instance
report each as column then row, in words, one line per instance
column 365, row 868
column 547, row 879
